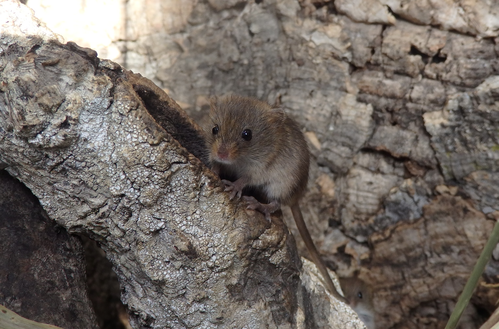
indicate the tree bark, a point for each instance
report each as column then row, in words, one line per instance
column 81, row 134
column 399, row 101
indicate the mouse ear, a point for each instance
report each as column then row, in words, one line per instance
column 278, row 115
column 277, row 102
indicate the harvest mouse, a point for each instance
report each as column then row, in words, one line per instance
column 258, row 146
column 359, row 297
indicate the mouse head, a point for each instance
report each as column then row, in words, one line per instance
column 360, row 298
column 357, row 292
column 243, row 130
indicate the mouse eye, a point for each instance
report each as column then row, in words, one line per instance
column 215, row 130
column 359, row 294
column 246, row 135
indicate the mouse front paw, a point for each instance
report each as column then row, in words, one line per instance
column 235, row 188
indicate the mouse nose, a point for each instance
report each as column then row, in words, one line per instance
column 223, row 152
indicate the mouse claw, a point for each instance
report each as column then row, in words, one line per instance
column 228, row 184
column 229, row 187
column 267, row 217
column 232, row 188
column 235, row 194
column 239, row 193
column 254, row 204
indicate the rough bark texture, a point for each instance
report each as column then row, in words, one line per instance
column 42, row 271
column 401, row 114
column 81, row 134
column 400, row 103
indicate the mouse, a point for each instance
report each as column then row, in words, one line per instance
column 258, row 146
column 360, row 298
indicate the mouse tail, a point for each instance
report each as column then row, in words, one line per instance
column 316, row 258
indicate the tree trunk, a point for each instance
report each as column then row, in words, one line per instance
column 399, row 101
column 82, row 134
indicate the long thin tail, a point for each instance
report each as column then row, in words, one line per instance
column 316, row 258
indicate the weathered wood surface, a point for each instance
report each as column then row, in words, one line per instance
column 83, row 136
column 400, row 103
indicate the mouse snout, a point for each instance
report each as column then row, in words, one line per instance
column 223, row 152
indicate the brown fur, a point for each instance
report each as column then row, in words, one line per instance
column 359, row 296
column 275, row 161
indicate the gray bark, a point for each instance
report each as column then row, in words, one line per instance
column 81, row 134
column 399, row 101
